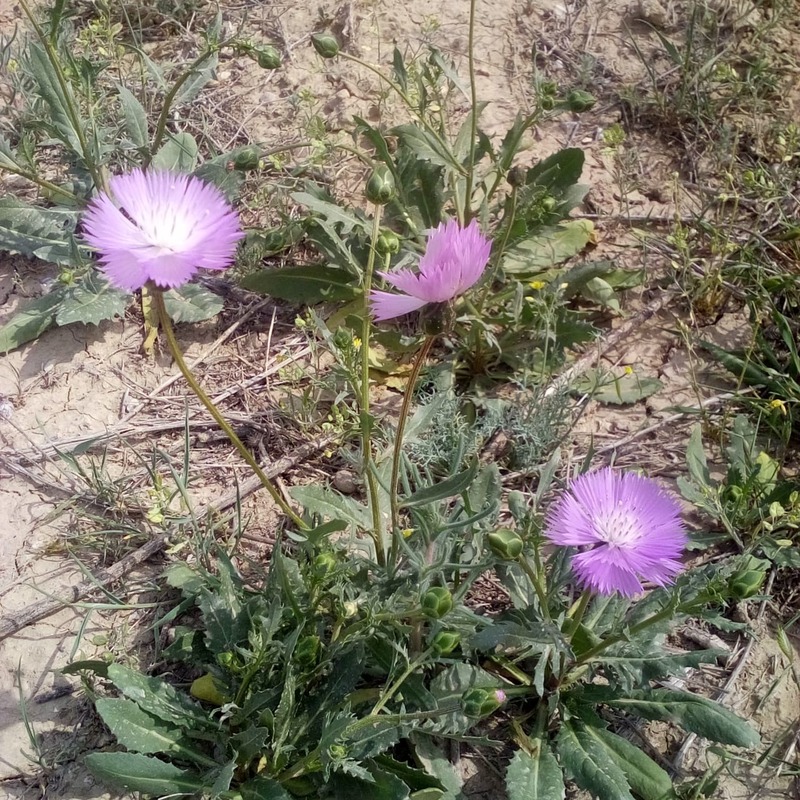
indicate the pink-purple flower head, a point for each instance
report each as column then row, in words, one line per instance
column 162, row 227
column 453, row 262
column 626, row 528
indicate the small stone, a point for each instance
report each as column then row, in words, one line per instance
column 345, row 481
column 653, row 12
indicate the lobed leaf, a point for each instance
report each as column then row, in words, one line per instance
column 303, row 283
column 535, row 775
column 140, row 773
column 192, row 303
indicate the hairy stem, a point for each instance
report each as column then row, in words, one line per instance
column 467, row 215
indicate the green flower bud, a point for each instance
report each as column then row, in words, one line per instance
column 549, row 203
column 505, row 543
column 547, row 102
column 307, row 650
column 380, row 186
column 247, row 158
column 548, row 87
column 445, row 642
column 477, row 703
column 437, row 602
column 747, row 581
column 337, row 752
column 578, row 100
column 268, row 57
column 325, row 44
column 324, row 563
column 387, row 243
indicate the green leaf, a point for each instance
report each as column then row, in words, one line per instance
column 425, row 146
column 693, row 713
column 329, row 211
column 535, row 776
column 399, row 69
column 177, row 154
column 696, row 458
column 263, row 789
column 606, row 387
column 642, row 668
column 303, row 284
column 600, row 291
column 558, row 172
column 250, row 742
column 449, row 686
column 548, row 248
column 587, row 761
column 138, row 731
column 158, row 698
column 223, row 781
column 443, row 490
column 328, row 503
column 431, row 755
column 646, row 778
column 384, row 786
column 91, row 300
column 134, row 115
column 192, row 303
column 31, row 322
column 45, row 233
column 139, row 773
column 200, row 76
column 7, row 157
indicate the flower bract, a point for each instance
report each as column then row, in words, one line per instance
column 162, row 227
column 454, row 260
column 626, row 527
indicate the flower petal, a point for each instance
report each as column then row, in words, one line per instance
column 386, row 305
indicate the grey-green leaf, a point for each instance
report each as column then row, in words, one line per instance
column 140, row 773
column 31, row 322
column 91, row 301
column 44, row 233
column 192, row 303
column 328, row 503
column 263, row 789
column 425, row 145
column 178, row 154
column 303, row 283
column 548, row 248
column 134, row 115
column 535, row 776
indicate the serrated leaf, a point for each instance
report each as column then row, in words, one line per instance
column 548, row 248
column 45, row 233
column 646, row 778
column 643, row 668
column 158, row 698
column 250, row 742
column 693, row 713
column 328, row 503
column 424, row 145
column 331, row 212
column 449, row 686
column 91, row 301
column 436, row 763
column 557, row 172
column 7, row 157
column 605, row 387
column 600, row 291
column 141, row 733
column 508, row 635
column 263, row 788
column 535, row 776
column 31, row 322
column 177, row 154
column 303, row 283
column 587, row 762
column 200, row 76
column 226, row 625
column 192, row 303
column 134, row 115
column 223, row 780
column 383, row 786
column 443, row 490
column 140, row 773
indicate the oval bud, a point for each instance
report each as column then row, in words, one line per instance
column 268, row 57
column 205, row 688
column 325, row 45
column 505, row 543
column 324, row 563
column 380, row 186
column 387, row 243
column 436, row 602
column 747, row 581
column 547, row 102
column 445, row 642
column 578, row 100
column 246, row 159
column 477, row 703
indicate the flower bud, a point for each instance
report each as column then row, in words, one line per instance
column 747, row 581
column 445, row 642
column 387, row 243
column 578, row 100
column 246, row 159
column 477, row 703
column 505, row 543
column 306, row 651
column 380, row 186
column 268, row 57
column 548, row 87
column 516, row 176
column 324, row 563
column 436, row 602
column 547, row 102
column 325, row 44
column 205, row 688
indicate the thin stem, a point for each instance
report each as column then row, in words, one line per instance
column 398, row 443
column 72, row 112
column 366, row 425
column 497, row 254
column 392, row 690
column 575, row 617
column 536, row 581
column 169, row 333
column 50, row 187
column 467, row 215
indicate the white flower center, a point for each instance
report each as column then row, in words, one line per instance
column 619, row 527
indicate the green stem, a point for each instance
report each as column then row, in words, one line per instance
column 392, row 690
column 411, row 107
column 497, row 253
column 169, row 333
column 366, row 425
column 50, row 187
column 535, row 579
column 467, row 215
column 72, row 112
column 574, row 619
column 398, row 443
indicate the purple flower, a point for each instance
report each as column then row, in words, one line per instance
column 454, row 260
column 160, row 227
column 626, row 528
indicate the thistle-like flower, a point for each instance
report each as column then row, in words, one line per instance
column 626, row 528
column 453, row 262
column 162, row 227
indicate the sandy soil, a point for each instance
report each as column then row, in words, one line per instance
column 80, row 382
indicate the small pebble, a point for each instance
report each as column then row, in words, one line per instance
column 345, row 481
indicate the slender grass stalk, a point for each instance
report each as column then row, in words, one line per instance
column 473, row 133
column 398, row 444
column 575, row 616
column 393, row 689
column 366, row 425
column 538, row 585
column 172, row 342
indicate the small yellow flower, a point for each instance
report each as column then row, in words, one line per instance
column 778, row 405
column 537, row 285
column 629, row 370
column 407, row 532
column 356, row 342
